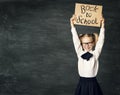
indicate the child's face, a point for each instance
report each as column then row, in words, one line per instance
column 87, row 43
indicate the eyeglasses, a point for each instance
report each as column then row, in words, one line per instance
column 87, row 43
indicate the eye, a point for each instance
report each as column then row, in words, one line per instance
column 87, row 43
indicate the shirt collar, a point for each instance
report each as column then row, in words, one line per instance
column 88, row 51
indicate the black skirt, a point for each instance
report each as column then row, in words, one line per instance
column 88, row 86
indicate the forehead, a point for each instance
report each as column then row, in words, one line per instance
column 86, row 39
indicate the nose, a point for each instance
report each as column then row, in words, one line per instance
column 87, row 45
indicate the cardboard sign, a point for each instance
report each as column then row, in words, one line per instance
column 88, row 15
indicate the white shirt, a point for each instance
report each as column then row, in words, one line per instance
column 88, row 68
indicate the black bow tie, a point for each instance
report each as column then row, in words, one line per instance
column 87, row 56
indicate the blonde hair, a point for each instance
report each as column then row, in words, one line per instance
column 93, row 35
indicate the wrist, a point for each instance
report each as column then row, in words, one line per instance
column 102, row 25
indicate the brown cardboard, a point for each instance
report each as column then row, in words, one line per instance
column 88, row 15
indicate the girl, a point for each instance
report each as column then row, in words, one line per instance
column 88, row 48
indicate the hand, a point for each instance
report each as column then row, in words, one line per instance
column 102, row 22
column 72, row 20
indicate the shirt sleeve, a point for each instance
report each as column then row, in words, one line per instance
column 100, row 42
column 76, row 41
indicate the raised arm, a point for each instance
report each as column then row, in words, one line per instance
column 101, row 38
column 76, row 40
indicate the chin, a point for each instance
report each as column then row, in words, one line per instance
column 88, row 50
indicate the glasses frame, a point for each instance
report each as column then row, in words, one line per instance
column 87, row 43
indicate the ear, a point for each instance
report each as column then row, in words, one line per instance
column 96, row 37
